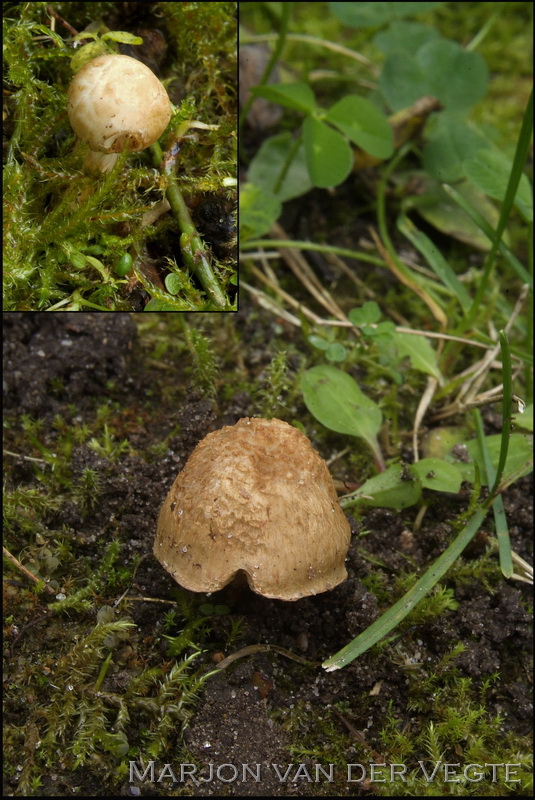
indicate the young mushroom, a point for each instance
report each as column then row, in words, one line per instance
column 254, row 499
column 115, row 102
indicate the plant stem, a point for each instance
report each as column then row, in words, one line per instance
column 286, row 10
column 507, row 380
column 193, row 250
column 519, row 161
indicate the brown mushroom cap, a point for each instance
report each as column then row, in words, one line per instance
column 254, row 497
column 116, row 100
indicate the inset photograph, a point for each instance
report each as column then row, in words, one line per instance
column 120, row 157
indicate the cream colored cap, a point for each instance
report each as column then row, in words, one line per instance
column 116, row 100
column 254, row 498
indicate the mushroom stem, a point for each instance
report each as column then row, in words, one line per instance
column 100, row 162
column 192, row 246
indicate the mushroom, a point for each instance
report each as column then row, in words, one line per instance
column 254, row 499
column 115, row 102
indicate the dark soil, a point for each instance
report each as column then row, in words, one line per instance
column 264, row 709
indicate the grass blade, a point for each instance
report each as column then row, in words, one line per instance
column 500, row 520
column 521, row 153
column 488, row 230
column 404, row 606
column 506, row 411
column 435, row 259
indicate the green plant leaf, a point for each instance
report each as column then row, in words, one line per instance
column 335, row 399
column 363, row 124
column 335, row 352
column 298, row 96
column 123, row 265
column 87, row 52
column 454, row 76
column 401, row 81
column 422, row 355
column 382, row 333
column 368, row 313
column 80, row 37
column 435, row 206
column 440, row 68
column 490, row 171
column 78, row 260
column 397, row 487
column 173, row 284
column 318, row 342
column 525, row 420
column 123, row 36
column 460, row 198
column 405, row 37
column 269, row 162
column 328, row 155
column 438, row 442
column 438, row 475
column 259, row 209
column 368, row 15
column 519, row 457
column 450, row 142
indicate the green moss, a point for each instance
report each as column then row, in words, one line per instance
column 68, row 676
column 92, row 724
column 462, row 733
column 271, row 398
column 449, row 727
column 61, row 242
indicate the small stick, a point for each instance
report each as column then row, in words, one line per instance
column 358, row 735
column 55, row 14
column 264, row 648
column 26, row 571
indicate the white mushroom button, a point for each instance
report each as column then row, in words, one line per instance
column 256, row 499
column 115, row 102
